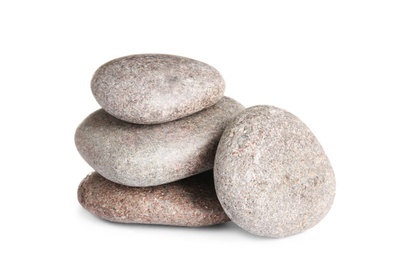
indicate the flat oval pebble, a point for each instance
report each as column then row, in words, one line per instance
column 156, row 88
column 147, row 155
column 188, row 202
column 271, row 174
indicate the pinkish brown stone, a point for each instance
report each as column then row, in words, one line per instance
column 156, row 88
column 188, row 202
column 148, row 155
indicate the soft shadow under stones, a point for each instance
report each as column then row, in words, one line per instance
column 228, row 228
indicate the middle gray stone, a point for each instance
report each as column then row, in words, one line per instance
column 149, row 155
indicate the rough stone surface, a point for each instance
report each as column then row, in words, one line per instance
column 156, row 88
column 271, row 174
column 188, row 202
column 147, row 155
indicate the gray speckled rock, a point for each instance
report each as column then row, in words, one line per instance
column 156, row 88
column 188, row 202
column 272, row 176
column 147, row 155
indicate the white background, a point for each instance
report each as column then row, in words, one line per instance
column 340, row 66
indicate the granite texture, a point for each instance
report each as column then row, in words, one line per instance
column 271, row 174
column 188, row 202
column 148, row 155
column 156, row 88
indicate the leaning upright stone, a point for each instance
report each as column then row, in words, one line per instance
column 271, row 174
column 156, row 88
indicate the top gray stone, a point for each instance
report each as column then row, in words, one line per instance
column 156, row 88
column 271, row 174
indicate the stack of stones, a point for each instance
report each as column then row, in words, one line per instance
column 169, row 148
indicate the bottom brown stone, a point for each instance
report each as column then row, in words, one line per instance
column 187, row 202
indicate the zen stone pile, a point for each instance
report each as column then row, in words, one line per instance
column 169, row 148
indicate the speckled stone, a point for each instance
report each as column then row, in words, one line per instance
column 156, row 88
column 271, row 174
column 147, row 155
column 188, row 202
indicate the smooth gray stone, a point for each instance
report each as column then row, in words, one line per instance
column 156, row 88
column 148, row 155
column 271, row 174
